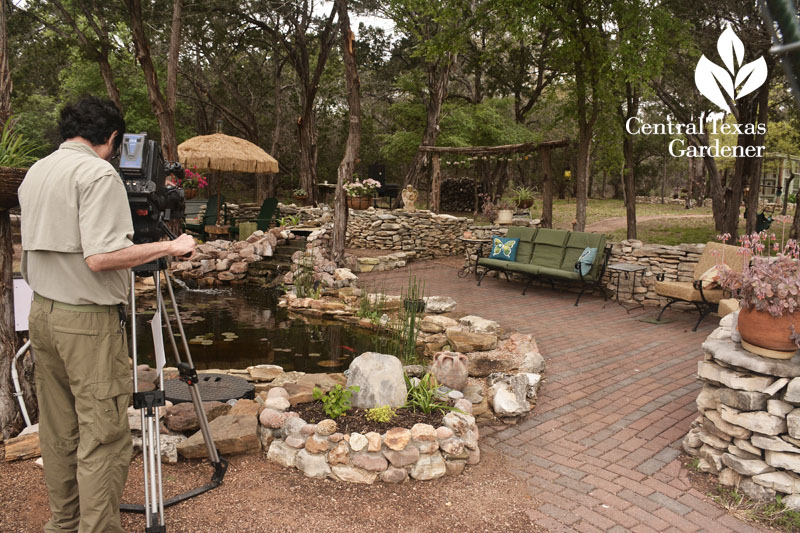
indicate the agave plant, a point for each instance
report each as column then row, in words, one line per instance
column 15, row 150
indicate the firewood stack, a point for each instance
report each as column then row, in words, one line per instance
column 458, row 194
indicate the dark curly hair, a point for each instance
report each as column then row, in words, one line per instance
column 94, row 119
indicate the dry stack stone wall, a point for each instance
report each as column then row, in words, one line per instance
column 748, row 430
column 426, row 233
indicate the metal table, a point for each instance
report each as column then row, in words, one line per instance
column 615, row 271
column 464, row 272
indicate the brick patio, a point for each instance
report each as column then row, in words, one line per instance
column 600, row 451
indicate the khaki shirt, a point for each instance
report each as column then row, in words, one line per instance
column 74, row 205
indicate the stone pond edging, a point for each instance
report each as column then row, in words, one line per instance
column 748, row 430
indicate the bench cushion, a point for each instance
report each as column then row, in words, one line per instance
column 522, row 268
column 683, row 290
column 548, row 247
column 577, row 242
column 494, row 264
column 557, row 273
column 525, row 246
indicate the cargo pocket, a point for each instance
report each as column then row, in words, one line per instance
column 111, row 409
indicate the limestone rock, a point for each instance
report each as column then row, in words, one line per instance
column 277, row 392
column 264, row 372
column 358, row 442
column 353, row 474
column 508, row 397
column 436, row 323
column 272, row 418
column 316, row 444
column 168, row 444
column 462, row 340
column 726, row 427
column 732, row 353
column 792, row 393
column 747, row 446
column 439, row 304
column 713, row 440
column 779, row 408
column 783, row 460
column 481, row 325
column 299, row 393
column 181, row 417
column 380, row 379
column 533, row 362
column 295, row 442
column 23, row 447
column 785, row 482
column 792, row 502
column 278, row 404
column 460, row 423
column 373, row 441
column 743, row 400
column 774, row 444
column 312, row 465
column 245, row 407
column 265, row 437
column 740, row 453
column 454, row 467
column 729, row 477
column 708, row 397
column 746, row 467
column 732, row 379
column 757, row 421
column 425, row 432
column 232, row 434
column 713, row 456
column 793, row 423
column 756, row 491
column 429, row 467
column 338, row 455
column 326, row 427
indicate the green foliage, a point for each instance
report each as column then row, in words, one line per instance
column 772, row 514
column 336, row 401
column 305, row 286
column 522, row 194
column 15, row 150
column 372, row 306
column 381, row 414
column 424, row 397
column 289, row 220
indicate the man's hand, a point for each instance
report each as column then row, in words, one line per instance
column 182, row 245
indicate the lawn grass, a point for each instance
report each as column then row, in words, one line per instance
column 674, row 231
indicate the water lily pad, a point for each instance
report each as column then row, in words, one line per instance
column 314, row 354
column 207, row 343
column 195, row 341
column 229, row 339
column 229, row 334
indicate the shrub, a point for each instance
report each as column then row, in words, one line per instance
column 424, row 397
column 381, row 414
column 336, row 401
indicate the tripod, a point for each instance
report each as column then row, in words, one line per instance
column 149, row 402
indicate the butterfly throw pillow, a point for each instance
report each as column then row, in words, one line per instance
column 503, row 248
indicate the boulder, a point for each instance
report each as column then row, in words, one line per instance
column 436, row 323
column 439, row 304
column 429, row 467
column 232, row 434
column 358, row 442
column 181, row 417
column 533, row 362
column 785, row 482
column 397, row 438
column 757, row 492
column 508, row 396
column 312, row 465
column 743, row 400
column 746, row 467
column 481, row 325
column 353, row 474
column 272, row 418
column 278, row 404
column 783, row 460
column 264, row 372
column 380, row 379
column 370, row 462
column 402, row 458
column 463, row 340
column 245, row 407
column 394, row 475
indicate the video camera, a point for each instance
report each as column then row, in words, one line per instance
column 152, row 202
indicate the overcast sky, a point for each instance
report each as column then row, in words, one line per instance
column 324, row 8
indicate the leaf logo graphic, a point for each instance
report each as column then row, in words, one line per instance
column 735, row 80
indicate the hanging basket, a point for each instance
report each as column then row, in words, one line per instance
column 188, row 194
column 10, row 180
column 358, row 202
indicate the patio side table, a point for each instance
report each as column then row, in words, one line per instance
column 471, row 244
column 615, row 271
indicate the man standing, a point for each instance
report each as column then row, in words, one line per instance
column 77, row 255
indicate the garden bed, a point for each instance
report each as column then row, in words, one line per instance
column 355, row 420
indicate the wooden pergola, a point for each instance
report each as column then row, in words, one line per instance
column 543, row 148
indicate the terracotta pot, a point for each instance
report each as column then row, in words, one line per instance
column 761, row 329
column 358, row 202
column 188, row 194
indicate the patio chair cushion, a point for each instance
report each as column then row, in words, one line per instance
column 503, row 248
column 548, row 247
column 727, row 306
column 684, row 290
column 525, row 246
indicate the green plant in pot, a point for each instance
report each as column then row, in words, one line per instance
column 522, row 196
column 768, row 290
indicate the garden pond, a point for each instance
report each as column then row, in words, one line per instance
column 240, row 327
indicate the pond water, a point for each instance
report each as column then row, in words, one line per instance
column 241, row 327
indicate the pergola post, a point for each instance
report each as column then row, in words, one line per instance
column 436, row 183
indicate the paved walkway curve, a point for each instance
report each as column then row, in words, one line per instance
column 600, row 451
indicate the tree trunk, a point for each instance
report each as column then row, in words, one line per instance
column 346, row 167
column 547, row 189
column 629, row 176
column 9, row 412
column 756, row 163
column 795, row 233
column 108, row 78
column 163, row 108
column 307, row 144
column 585, row 126
column 266, row 182
column 6, row 84
column 438, row 76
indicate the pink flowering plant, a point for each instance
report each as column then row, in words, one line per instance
column 361, row 188
column 192, row 180
column 770, row 280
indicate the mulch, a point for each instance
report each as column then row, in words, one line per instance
column 355, row 420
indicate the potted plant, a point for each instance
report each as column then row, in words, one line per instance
column 523, row 197
column 300, row 194
column 768, row 289
column 359, row 193
column 191, row 182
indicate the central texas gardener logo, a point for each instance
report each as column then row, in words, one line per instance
column 725, row 85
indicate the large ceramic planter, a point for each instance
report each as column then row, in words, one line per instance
column 524, row 204
column 505, row 216
column 358, row 202
column 767, row 335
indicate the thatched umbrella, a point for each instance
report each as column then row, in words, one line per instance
column 222, row 152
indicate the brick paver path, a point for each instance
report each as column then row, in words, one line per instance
column 600, row 451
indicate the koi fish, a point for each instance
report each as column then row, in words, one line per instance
column 349, row 349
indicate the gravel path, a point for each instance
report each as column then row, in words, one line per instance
column 608, row 225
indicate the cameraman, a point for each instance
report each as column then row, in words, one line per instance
column 77, row 255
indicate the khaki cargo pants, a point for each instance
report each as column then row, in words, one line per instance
column 84, row 384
